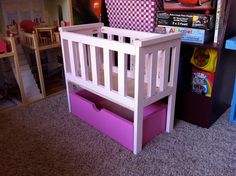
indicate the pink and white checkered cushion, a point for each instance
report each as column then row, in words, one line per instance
column 133, row 14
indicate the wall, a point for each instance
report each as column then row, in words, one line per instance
column 51, row 9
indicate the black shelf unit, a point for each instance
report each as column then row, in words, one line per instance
column 199, row 109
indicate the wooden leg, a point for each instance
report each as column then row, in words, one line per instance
column 170, row 113
column 138, row 129
column 18, row 72
column 68, row 94
column 40, row 72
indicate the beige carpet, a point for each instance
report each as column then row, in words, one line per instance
column 43, row 139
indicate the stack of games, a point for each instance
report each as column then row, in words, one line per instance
column 197, row 27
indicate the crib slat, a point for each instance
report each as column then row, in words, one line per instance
column 72, row 57
column 95, row 69
column 174, row 63
column 83, row 61
column 112, row 54
column 151, row 69
column 122, row 74
column 107, row 69
column 164, row 73
column 110, row 36
column 132, row 60
column 77, row 60
column 121, row 39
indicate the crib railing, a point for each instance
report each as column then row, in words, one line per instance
column 28, row 39
column 92, row 50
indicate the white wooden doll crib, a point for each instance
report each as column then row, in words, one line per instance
column 145, row 71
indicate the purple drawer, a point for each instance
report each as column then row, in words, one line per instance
column 116, row 121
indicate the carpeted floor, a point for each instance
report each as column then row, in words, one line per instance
column 43, row 139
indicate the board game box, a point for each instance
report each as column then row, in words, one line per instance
column 202, row 82
column 191, row 20
column 190, row 35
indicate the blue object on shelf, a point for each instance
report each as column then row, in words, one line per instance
column 233, row 106
column 231, row 43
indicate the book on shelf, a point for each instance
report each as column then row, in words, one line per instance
column 219, row 22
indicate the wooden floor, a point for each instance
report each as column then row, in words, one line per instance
column 54, row 85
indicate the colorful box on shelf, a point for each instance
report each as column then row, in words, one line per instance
column 202, row 82
column 116, row 121
column 190, row 35
column 188, row 4
column 231, row 43
column 183, row 19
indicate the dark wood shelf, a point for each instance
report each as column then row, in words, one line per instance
column 199, row 109
column 206, row 45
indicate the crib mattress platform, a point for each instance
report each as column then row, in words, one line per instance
column 116, row 121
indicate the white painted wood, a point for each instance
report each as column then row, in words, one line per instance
column 98, row 42
column 138, row 101
column 122, row 74
column 158, row 39
column 72, row 57
column 66, row 61
column 141, row 43
column 95, row 66
column 121, row 39
column 76, row 59
column 66, row 55
column 172, row 97
column 81, row 27
column 164, row 72
column 39, row 66
column 127, row 102
column 83, row 61
column 151, row 71
column 88, row 56
column 107, row 69
column 158, row 96
column 127, row 33
column 132, row 59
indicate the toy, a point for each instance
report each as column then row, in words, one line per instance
column 202, row 82
column 193, row 2
column 3, row 45
column 15, row 64
column 204, row 59
column 188, row 4
column 89, row 63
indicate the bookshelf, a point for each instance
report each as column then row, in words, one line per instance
column 191, row 107
column 199, row 109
